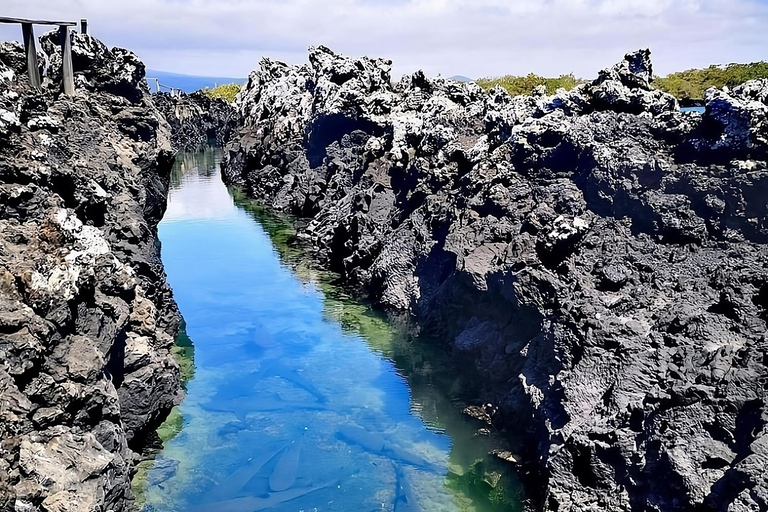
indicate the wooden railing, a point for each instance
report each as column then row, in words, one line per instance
column 30, row 48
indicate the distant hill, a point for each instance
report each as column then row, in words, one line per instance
column 189, row 83
column 460, row 78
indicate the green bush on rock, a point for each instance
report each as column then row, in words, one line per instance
column 518, row 85
column 226, row 92
column 691, row 84
column 687, row 86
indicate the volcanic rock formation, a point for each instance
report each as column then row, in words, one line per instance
column 87, row 320
column 599, row 254
column 197, row 120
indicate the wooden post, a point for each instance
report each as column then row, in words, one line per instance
column 67, row 74
column 31, row 51
column 84, row 26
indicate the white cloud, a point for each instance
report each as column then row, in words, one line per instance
column 468, row 37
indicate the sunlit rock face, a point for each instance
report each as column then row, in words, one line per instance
column 599, row 255
column 86, row 318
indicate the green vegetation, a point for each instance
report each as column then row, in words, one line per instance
column 226, row 92
column 687, row 86
column 691, row 84
column 517, row 85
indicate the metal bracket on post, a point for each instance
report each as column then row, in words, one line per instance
column 84, row 26
column 68, row 76
column 31, row 51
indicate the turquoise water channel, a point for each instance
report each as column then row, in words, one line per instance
column 302, row 399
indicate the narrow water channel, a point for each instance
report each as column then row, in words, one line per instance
column 302, row 399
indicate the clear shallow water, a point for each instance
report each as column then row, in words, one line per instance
column 302, row 399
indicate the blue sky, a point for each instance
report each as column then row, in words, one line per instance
column 468, row 37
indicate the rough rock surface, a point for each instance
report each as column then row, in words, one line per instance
column 197, row 120
column 86, row 316
column 601, row 255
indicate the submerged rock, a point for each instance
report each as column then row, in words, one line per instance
column 87, row 320
column 599, row 255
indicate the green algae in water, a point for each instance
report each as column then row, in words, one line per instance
column 139, row 483
column 279, row 226
column 169, row 429
column 354, row 316
column 183, row 353
column 489, row 482
column 171, row 426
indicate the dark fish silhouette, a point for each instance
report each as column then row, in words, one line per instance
column 256, row 503
column 284, row 474
column 369, row 441
column 261, row 337
column 405, row 497
column 242, row 405
column 237, row 480
column 376, row 443
column 233, row 427
column 274, row 368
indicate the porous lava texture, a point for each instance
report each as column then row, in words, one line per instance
column 87, row 320
column 196, row 120
column 599, row 255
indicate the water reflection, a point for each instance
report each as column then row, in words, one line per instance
column 302, row 399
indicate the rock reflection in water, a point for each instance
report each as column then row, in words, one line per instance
column 301, row 397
